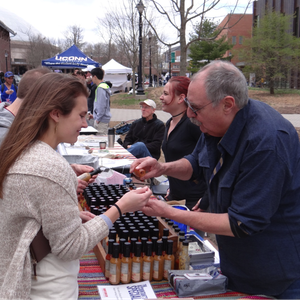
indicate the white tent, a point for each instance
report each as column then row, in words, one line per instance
column 117, row 75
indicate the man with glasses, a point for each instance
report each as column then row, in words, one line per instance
column 249, row 156
column 146, row 134
column 8, row 89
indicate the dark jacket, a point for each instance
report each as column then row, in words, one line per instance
column 151, row 133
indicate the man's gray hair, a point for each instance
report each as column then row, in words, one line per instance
column 223, row 79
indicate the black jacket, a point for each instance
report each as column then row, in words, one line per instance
column 151, row 133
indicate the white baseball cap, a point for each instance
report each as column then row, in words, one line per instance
column 89, row 68
column 149, row 102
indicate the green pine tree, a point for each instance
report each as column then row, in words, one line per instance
column 273, row 51
column 207, row 49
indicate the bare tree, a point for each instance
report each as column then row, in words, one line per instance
column 40, row 48
column 74, row 36
column 178, row 14
column 120, row 27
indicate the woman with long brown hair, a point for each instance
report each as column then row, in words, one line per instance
column 180, row 139
column 38, row 189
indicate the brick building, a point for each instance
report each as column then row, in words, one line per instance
column 5, row 47
column 290, row 7
column 237, row 27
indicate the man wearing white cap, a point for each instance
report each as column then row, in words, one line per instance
column 146, row 134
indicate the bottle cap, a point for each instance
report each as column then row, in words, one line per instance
column 111, row 131
column 148, row 248
column 110, row 246
column 126, row 250
column 170, row 247
column 116, row 250
column 159, row 248
column 138, row 249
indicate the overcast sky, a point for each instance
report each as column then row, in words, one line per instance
column 53, row 17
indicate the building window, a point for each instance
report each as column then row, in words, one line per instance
column 240, row 40
column 234, row 40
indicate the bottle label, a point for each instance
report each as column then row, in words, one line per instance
column 167, row 267
column 155, row 265
column 136, row 271
column 146, row 270
column 124, row 268
column 113, row 269
column 107, row 266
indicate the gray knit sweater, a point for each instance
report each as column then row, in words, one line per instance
column 40, row 190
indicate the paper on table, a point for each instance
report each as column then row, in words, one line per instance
column 140, row 290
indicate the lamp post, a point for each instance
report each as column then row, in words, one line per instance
column 150, row 75
column 6, row 56
column 140, row 7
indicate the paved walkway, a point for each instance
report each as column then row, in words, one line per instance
column 120, row 115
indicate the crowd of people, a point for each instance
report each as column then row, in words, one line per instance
column 235, row 160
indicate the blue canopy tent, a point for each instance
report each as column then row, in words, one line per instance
column 69, row 59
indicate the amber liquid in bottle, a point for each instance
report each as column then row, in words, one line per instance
column 126, row 264
column 115, row 265
column 108, row 257
column 87, row 176
column 158, row 262
column 184, row 259
column 179, row 252
column 148, row 262
column 169, row 259
column 137, row 263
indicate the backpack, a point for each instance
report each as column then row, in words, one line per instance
column 15, row 87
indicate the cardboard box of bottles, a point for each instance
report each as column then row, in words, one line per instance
column 100, row 197
column 101, row 254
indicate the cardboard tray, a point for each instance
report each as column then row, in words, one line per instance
column 101, row 254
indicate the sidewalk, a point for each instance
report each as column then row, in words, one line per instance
column 120, row 115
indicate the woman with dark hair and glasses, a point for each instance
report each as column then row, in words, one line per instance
column 38, row 190
column 180, row 139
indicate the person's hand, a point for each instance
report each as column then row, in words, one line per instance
column 80, row 169
column 86, row 216
column 156, row 207
column 9, row 92
column 153, row 167
column 134, row 200
column 167, row 194
column 196, row 207
column 81, row 186
column 128, row 146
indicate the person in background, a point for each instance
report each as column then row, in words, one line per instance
column 38, row 188
column 180, row 139
column 101, row 112
column 8, row 89
column 8, row 113
column 145, row 135
column 249, row 155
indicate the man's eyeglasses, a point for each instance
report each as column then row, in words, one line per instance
column 193, row 109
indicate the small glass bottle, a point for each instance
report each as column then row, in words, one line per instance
column 158, row 262
column 165, row 242
column 108, row 258
column 148, row 262
column 115, row 265
column 169, row 259
column 121, row 241
column 154, row 240
column 178, row 252
column 132, row 246
column 87, row 176
column 137, row 263
column 126, row 264
column 144, row 243
column 184, row 259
